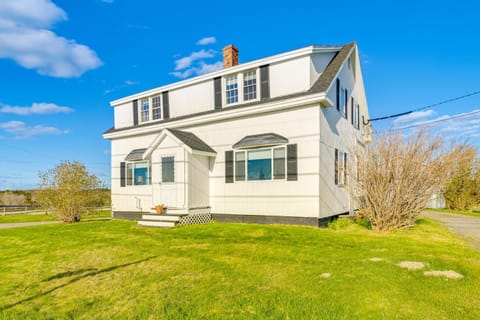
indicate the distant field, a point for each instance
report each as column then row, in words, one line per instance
column 117, row 270
column 47, row 217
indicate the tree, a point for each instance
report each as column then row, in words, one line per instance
column 67, row 189
column 396, row 176
column 462, row 192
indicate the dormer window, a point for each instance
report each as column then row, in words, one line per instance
column 150, row 108
column 231, row 89
column 241, row 87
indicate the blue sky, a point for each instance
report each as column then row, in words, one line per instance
column 62, row 61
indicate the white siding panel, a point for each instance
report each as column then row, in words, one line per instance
column 123, row 115
column 193, row 99
column 290, row 77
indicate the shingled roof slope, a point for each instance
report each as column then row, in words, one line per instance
column 191, row 140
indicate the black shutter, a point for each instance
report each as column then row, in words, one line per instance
column 122, row 174
column 228, row 166
column 166, row 105
column 345, row 168
column 217, row 91
column 346, row 104
column 338, row 94
column 135, row 112
column 292, row 168
column 352, row 111
column 264, row 82
column 336, row 166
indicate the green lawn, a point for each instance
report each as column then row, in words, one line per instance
column 47, row 217
column 117, row 270
column 464, row 212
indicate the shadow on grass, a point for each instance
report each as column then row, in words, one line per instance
column 68, row 274
column 65, row 274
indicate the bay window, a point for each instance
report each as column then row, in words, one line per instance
column 138, row 173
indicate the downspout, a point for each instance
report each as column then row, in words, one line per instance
column 185, row 179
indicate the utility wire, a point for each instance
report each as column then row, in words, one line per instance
column 422, row 108
column 463, row 115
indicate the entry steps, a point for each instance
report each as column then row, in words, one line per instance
column 165, row 220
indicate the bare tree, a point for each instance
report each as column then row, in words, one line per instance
column 396, row 176
column 67, row 189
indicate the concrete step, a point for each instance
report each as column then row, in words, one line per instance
column 160, row 217
column 157, row 224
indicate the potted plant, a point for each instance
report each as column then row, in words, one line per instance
column 159, row 208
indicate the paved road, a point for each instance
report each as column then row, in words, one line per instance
column 24, row 224
column 465, row 226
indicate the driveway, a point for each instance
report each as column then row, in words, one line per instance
column 465, row 226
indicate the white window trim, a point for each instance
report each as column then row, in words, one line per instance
column 240, row 87
column 341, row 172
column 149, row 174
column 271, row 160
column 150, row 109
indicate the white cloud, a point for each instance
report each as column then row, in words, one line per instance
column 21, row 131
column 36, row 108
column 414, row 116
column 201, row 69
column 25, row 38
column 186, row 62
column 207, row 40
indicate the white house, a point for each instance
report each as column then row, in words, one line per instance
column 265, row 141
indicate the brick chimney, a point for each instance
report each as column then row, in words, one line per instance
column 230, row 56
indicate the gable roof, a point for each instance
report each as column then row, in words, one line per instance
column 191, row 140
column 135, row 155
column 322, row 84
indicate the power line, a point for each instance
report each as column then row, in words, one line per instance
column 463, row 115
column 422, row 108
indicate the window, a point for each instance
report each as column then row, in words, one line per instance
column 240, row 166
column 232, row 89
column 343, row 102
column 168, row 169
column 340, row 167
column 279, row 163
column 356, row 116
column 156, row 107
column 260, row 164
column 145, row 110
column 250, row 85
column 138, row 173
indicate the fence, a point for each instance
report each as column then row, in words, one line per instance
column 11, row 210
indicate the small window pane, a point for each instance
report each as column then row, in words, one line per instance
column 250, row 85
column 145, row 110
column 259, row 164
column 168, row 169
column 129, row 174
column 240, row 166
column 279, row 163
column 232, row 89
column 140, row 173
column 156, row 107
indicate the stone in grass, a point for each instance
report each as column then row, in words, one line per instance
column 325, row 275
column 375, row 259
column 450, row 274
column 411, row 265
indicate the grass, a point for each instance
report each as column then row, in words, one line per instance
column 17, row 218
column 117, row 270
column 464, row 212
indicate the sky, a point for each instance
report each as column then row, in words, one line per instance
column 63, row 61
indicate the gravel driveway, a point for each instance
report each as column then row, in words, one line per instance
column 465, row 226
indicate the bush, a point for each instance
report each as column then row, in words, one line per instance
column 396, row 176
column 67, row 189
